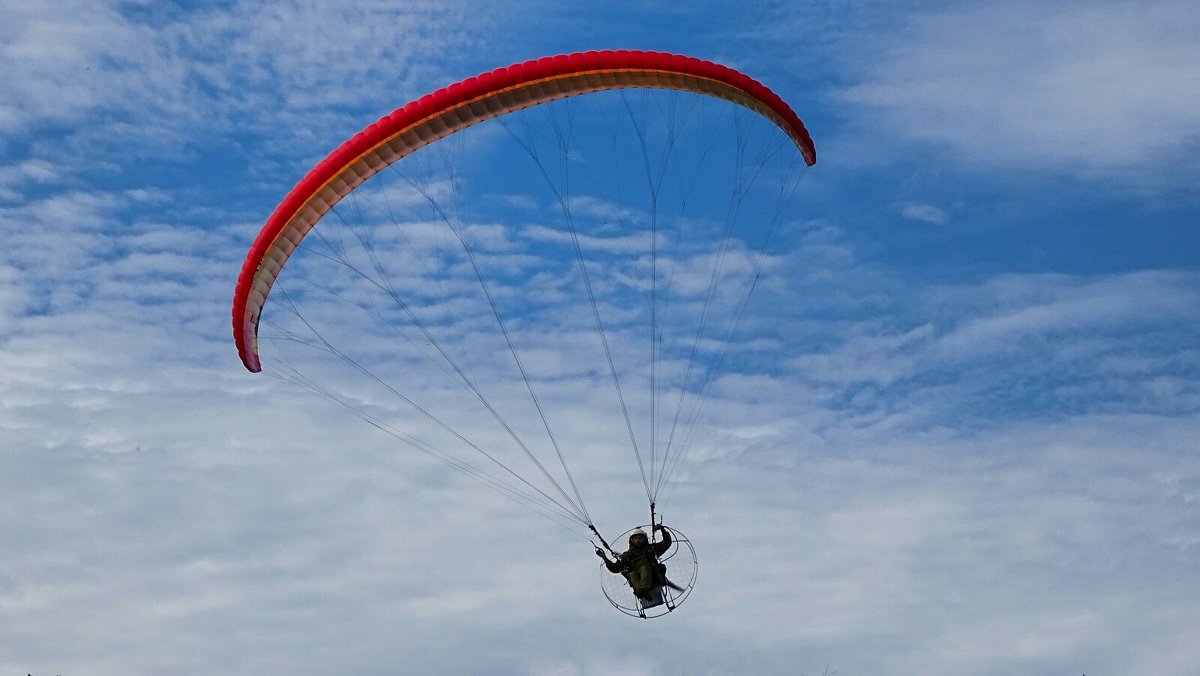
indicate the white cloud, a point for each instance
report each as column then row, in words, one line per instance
column 923, row 213
column 114, row 83
column 147, row 481
column 1096, row 89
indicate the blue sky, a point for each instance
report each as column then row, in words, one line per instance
column 973, row 450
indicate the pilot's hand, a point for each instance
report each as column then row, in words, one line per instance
column 658, row 526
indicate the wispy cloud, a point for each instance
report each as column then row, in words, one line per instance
column 1014, row 346
column 923, row 213
column 117, row 83
column 1097, row 90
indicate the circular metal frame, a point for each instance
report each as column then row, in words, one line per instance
column 681, row 563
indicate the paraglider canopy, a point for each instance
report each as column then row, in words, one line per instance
column 464, row 104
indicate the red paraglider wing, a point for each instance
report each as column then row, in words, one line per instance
column 462, row 105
